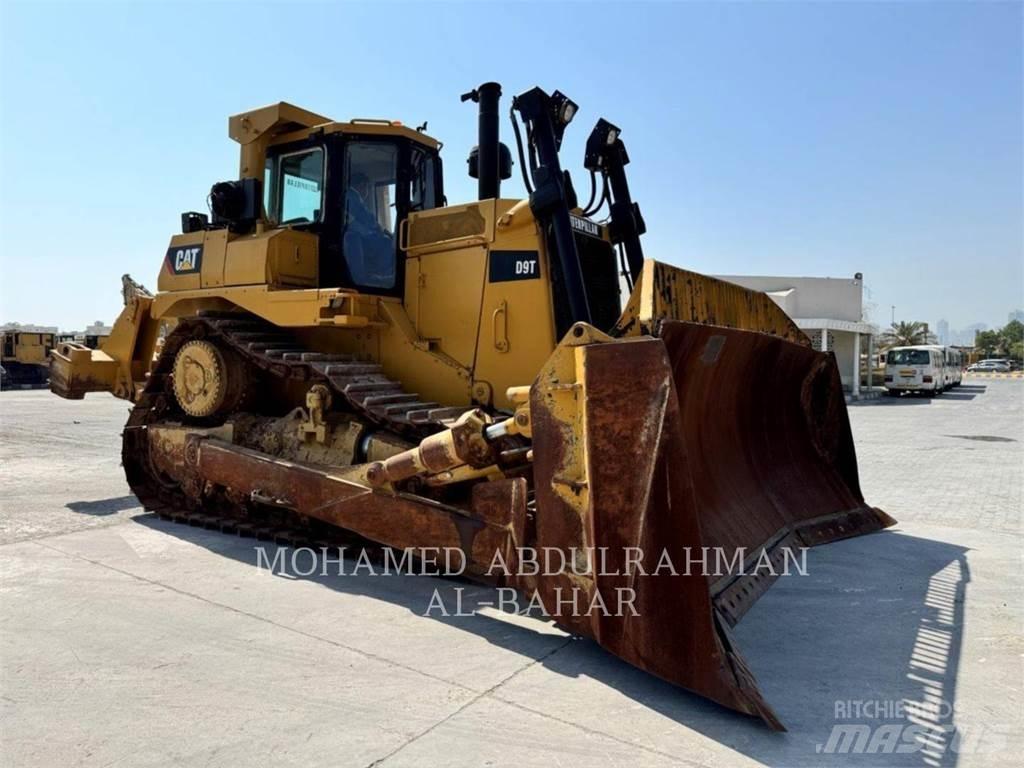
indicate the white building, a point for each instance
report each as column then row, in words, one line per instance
column 830, row 310
column 28, row 328
column 98, row 329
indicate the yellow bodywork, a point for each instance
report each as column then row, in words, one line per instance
column 25, row 347
column 25, row 357
column 453, row 337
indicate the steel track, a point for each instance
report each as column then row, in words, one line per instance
column 359, row 387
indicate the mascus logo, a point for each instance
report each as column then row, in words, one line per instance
column 185, row 259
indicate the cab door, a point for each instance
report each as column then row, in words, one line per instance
column 446, row 251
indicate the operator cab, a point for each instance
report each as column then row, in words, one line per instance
column 353, row 190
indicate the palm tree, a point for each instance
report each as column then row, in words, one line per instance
column 907, row 334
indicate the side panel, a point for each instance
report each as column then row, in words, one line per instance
column 183, row 263
column 245, row 262
column 517, row 329
column 216, row 258
column 478, row 292
column 292, row 259
column 443, row 227
column 448, row 287
column 215, row 245
column 422, row 370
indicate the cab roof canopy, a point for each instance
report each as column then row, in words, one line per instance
column 278, row 120
column 273, row 119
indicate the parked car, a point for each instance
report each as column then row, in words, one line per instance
column 1000, row 361
column 990, row 366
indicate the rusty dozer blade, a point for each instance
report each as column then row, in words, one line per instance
column 682, row 452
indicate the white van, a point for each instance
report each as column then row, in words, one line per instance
column 915, row 369
column 950, row 366
column 954, row 367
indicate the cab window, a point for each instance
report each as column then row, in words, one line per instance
column 370, row 214
column 422, row 181
column 293, row 187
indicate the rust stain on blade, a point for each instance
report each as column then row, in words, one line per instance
column 770, row 449
column 653, row 509
column 733, row 440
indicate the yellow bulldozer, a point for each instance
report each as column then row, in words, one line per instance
column 336, row 349
column 24, row 361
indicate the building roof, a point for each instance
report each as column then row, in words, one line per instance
column 835, row 298
column 830, row 324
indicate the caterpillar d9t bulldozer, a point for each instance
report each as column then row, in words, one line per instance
column 345, row 351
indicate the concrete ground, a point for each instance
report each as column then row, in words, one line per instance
column 125, row 640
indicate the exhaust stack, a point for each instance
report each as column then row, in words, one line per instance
column 489, row 161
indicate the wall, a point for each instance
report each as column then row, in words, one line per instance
column 837, row 298
column 843, row 348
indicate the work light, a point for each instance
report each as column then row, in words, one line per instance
column 564, row 108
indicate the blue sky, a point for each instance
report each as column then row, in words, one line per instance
column 781, row 138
